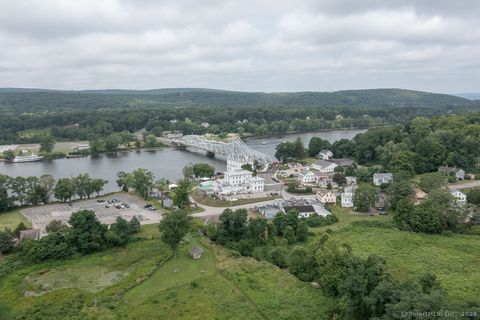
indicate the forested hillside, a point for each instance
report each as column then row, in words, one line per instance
column 27, row 114
column 31, row 100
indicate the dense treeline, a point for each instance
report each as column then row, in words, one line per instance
column 419, row 146
column 87, row 116
column 83, row 234
column 22, row 191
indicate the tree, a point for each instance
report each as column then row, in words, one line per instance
column 142, row 181
column 364, row 197
column 431, row 181
column 6, row 241
column 119, row 233
column 56, row 226
column 286, row 151
column 301, row 263
column 203, row 170
column 47, row 142
column 8, row 155
column 403, row 211
column 302, row 231
column 134, row 225
column 112, row 142
column 173, row 227
column 257, row 230
column 473, row 196
column 399, row 189
column 47, row 182
column 181, row 195
column 123, row 180
column 289, row 234
column 188, row 172
column 151, row 141
column 317, row 144
column 340, row 178
column 427, row 217
column 20, row 227
column 232, row 226
column 86, row 232
column 64, row 189
column 402, row 162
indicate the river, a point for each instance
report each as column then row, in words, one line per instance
column 166, row 162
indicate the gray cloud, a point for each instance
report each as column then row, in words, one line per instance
column 252, row 45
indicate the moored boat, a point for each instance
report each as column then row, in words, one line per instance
column 31, row 158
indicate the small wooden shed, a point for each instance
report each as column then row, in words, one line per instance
column 196, row 252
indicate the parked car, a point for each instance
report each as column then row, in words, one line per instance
column 148, row 205
column 100, row 200
column 107, row 206
column 70, row 204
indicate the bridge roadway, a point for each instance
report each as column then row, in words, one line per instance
column 234, row 150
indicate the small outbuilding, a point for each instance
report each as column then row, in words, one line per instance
column 196, row 252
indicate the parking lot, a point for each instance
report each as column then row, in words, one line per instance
column 40, row 216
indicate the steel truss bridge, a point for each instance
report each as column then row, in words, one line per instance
column 235, row 150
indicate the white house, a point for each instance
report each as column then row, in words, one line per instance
column 306, row 176
column 325, row 154
column 459, row 173
column 326, row 197
column 382, row 178
column 324, row 181
column 324, row 166
column 351, row 180
column 460, row 197
column 347, row 197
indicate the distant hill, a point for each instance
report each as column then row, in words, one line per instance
column 32, row 100
column 469, row 95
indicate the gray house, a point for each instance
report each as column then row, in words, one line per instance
column 457, row 172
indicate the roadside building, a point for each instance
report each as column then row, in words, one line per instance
column 325, row 154
column 324, row 166
column 457, row 172
column 343, row 162
column 419, row 196
column 460, row 197
column 382, row 178
column 30, row 234
column 326, row 197
column 304, row 207
column 306, row 176
column 351, row 180
column 347, row 197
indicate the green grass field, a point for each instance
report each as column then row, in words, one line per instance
column 11, row 219
column 142, row 281
column 453, row 258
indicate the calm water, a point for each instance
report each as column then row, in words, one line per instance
column 166, row 162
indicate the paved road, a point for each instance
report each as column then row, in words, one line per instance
column 467, row 185
column 216, row 211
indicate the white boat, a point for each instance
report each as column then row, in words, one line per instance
column 31, row 158
column 264, row 143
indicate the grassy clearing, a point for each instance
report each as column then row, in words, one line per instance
column 11, row 219
column 453, row 258
column 199, row 197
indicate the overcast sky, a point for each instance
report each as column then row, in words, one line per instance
column 251, row 45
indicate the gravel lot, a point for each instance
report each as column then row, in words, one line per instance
column 40, row 216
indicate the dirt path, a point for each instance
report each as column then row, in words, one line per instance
column 467, row 185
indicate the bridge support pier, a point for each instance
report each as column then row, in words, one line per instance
column 210, row 154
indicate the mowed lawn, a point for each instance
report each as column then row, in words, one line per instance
column 11, row 219
column 453, row 258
